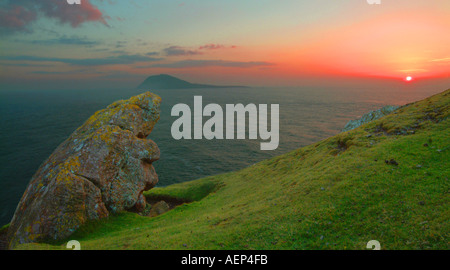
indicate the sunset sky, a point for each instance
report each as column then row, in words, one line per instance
column 102, row 43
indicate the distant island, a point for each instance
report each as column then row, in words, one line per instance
column 164, row 81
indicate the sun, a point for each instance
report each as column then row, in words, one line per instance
column 408, row 78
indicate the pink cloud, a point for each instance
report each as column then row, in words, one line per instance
column 18, row 15
column 72, row 14
column 16, row 18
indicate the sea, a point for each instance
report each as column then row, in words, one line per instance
column 34, row 122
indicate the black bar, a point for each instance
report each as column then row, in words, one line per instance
column 229, row 259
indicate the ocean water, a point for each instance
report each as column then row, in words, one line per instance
column 34, row 123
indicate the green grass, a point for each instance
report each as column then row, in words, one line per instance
column 336, row 194
column 188, row 191
column 4, row 228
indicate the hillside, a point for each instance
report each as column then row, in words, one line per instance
column 164, row 81
column 387, row 180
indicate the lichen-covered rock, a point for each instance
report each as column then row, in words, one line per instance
column 368, row 117
column 102, row 168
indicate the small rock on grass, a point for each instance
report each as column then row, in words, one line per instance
column 159, row 208
column 391, row 162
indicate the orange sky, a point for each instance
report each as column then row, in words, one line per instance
column 233, row 42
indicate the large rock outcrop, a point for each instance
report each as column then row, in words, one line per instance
column 102, row 168
column 368, row 117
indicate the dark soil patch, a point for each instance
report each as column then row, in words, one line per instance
column 342, row 145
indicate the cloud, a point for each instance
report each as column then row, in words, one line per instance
column 18, row 15
column 64, row 40
column 50, row 72
column 209, row 63
column 24, row 65
column 71, row 72
column 125, row 59
column 178, row 51
column 215, row 47
column 412, row 70
column 15, row 18
column 183, row 51
column 211, row 47
column 447, row 59
column 120, row 44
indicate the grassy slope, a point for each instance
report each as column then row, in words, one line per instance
column 335, row 194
